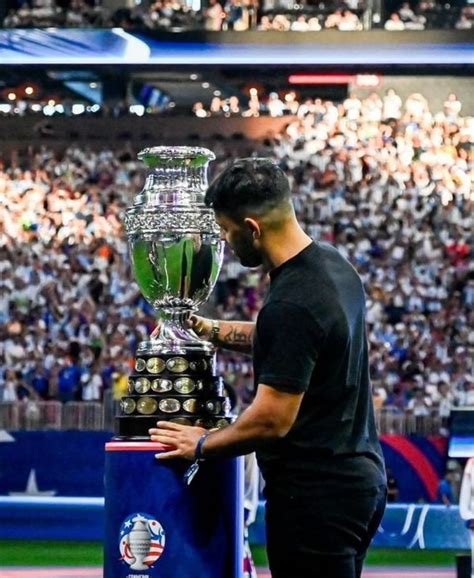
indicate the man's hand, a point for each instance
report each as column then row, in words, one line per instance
column 183, row 438
column 201, row 326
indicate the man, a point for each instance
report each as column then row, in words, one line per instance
column 311, row 421
column 445, row 489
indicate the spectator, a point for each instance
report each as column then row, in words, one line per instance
column 463, row 22
column 445, row 404
column 275, row 106
column 265, row 24
column 314, row 24
column 236, row 16
column 214, row 16
column 393, row 491
column 392, row 105
column 394, row 23
column 452, row 107
column 199, row 110
column 9, row 386
column 216, row 106
column 445, row 490
column 69, row 382
column 91, row 384
column 419, row 405
column 253, row 104
column 349, row 22
column 352, row 106
column 281, row 23
column 333, row 20
column 300, row 24
column 405, row 12
column 416, row 106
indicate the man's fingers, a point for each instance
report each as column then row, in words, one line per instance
column 192, row 322
column 168, row 455
column 165, row 440
column 167, row 425
column 199, row 325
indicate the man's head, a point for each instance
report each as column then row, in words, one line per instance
column 251, row 199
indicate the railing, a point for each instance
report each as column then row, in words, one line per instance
column 54, row 415
column 87, row 416
column 94, row 416
column 391, row 421
column 31, row 415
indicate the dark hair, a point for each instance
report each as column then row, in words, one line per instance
column 248, row 185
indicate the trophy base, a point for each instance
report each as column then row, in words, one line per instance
column 178, row 388
column 136, row 428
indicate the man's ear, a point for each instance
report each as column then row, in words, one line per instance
column 254, row 227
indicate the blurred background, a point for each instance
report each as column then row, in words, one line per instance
column 368, row 108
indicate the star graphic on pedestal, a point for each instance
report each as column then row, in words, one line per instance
column 5, row 436
column 32, row 488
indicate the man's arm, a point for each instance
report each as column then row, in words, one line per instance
column 233, row 335
column 289, row 342
column 270, row 416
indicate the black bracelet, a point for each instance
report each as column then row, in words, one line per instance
column 198, row 453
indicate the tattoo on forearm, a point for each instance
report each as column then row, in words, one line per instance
column 236, row 337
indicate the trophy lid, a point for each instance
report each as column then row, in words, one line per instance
column 178, row 176
column 171, row 156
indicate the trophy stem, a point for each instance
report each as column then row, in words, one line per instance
column 175, row 336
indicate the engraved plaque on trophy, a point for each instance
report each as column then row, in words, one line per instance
column 176, row 255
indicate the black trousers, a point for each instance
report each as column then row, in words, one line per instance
column 322, row 537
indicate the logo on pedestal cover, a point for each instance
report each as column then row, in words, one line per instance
column 142, row 541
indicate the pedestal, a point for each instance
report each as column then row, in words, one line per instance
column 157, row 526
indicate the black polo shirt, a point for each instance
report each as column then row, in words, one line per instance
column 310, row 337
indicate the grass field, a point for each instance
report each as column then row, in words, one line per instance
column 29, row 553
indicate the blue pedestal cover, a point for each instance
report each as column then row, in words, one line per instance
column 157, row 526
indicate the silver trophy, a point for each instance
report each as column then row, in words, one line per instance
column 176, row 254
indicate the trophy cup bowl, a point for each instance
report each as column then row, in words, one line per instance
column 176, row 255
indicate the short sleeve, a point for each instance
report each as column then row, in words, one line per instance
column 289, row 340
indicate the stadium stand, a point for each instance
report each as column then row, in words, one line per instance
column 241, row 15
column 387, row 182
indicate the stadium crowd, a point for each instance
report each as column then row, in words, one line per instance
column 428, row 14
column 239, row 15
column 387, row 182
column 375, row 107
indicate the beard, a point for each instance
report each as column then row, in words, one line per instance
column 245, row 251
column 254, row 260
